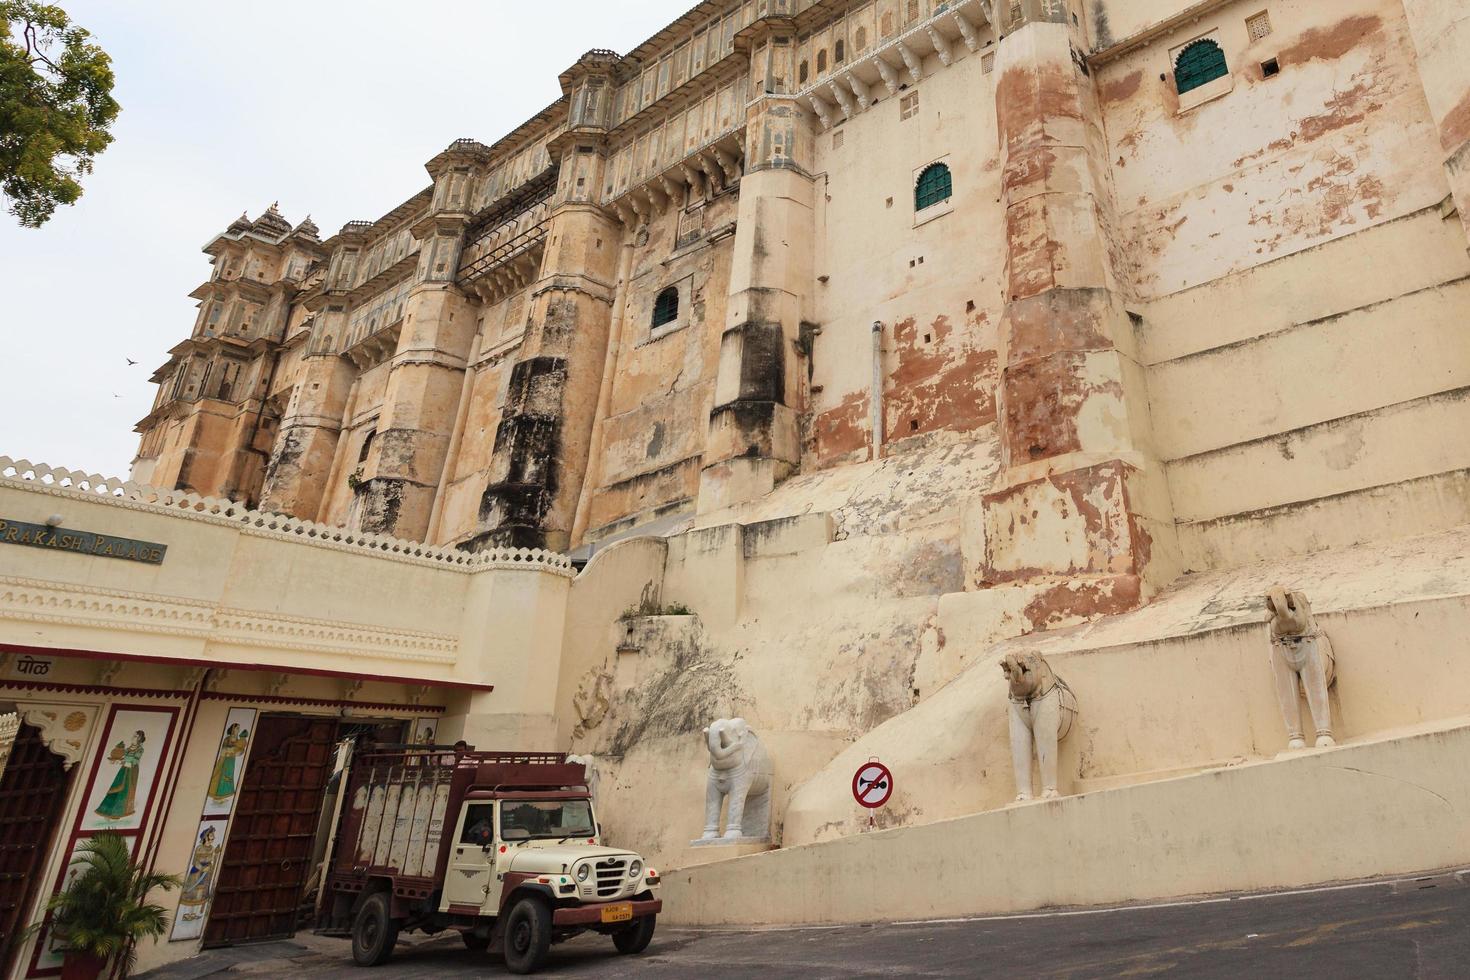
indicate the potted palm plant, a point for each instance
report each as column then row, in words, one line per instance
column 104, row 910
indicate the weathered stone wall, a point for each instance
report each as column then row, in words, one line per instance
column 663, row 382
column 933, row 282
column 1300, row 291
column 1067, row 288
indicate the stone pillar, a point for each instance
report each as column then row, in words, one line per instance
column 1441, row 33
column 296, row 477
column 1080, row 514
column 753, row 441
column 541, row 444
column 420, row 403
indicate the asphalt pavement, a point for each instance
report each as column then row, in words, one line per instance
column 1408, row 928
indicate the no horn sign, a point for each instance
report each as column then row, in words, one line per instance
column 872, row 784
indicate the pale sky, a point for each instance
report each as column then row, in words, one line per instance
column 331, row 107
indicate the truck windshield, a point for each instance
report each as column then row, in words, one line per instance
column 544, row 819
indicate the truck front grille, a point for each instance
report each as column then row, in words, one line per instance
column 611, row 874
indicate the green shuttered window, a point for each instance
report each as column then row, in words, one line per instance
column 934, row 186
column 666, row 307
column 1198, row 64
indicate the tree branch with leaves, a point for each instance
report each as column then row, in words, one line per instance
column 56, row 108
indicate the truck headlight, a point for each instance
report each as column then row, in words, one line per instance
column 635, row 869
column 583, row 871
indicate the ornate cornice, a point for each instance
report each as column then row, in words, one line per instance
column 51, row 602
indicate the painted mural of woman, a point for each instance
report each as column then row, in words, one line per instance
column 200, row 880
column 222, row 781
column 121, row 799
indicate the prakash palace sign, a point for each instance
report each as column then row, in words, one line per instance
column 82, row 542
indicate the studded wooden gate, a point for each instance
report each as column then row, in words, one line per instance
column 268, row 855
column 32, row 796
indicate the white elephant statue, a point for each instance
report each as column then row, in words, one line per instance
column 740, row 772
column 1300, row 650
column 593, row 776
column 1041, row 713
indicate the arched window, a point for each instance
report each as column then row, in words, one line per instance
column 1200, row 63
column 887, row 25
column 839, row 52
column 367, row 444
column 802, row 73
column 860, row 39
column 821, row 61
column 666, row 307
column 934, row 185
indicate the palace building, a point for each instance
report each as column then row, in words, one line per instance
column 797, row 365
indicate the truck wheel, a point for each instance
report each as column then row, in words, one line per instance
column 527, row 935
column 635, row 938
column 374, row 932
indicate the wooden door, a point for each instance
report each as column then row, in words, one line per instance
column 32, row 796
column 268, row 855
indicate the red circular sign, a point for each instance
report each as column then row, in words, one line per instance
column 872, row 784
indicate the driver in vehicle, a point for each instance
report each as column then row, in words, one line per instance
column 481, row 832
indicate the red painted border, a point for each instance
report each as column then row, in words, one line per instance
column 186, row 735
column 859, row 796
column 238, row 665
column 63, row 687
column 77, row 833
column 103, row 690
column 319, row 702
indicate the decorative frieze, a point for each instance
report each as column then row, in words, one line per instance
column 136, row 612
column 58, row 481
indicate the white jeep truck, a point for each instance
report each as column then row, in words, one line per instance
column 501, row 847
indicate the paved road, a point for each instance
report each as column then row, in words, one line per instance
column 1404, row 929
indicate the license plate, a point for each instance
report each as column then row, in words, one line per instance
column 618, row 913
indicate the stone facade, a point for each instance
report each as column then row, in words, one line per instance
column 655, row 299
column 866, row 344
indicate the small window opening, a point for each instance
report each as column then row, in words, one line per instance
column 821, row 61
column 987, row 63
column 1270, row 67
column 860, row 39
column 666, row 307
column 1258, row 26
column 367, row 444
column 908, row 106
column 839, row 52
column 803, row 72
column 934, row 185
column 1199, row 64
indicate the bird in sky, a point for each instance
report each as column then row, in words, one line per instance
column 130, row 361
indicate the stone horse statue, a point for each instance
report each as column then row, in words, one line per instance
column 740, row 772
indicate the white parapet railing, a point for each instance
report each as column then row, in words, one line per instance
column 63, row 481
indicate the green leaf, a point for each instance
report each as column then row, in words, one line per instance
column 105, row 911
column 56, row 108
